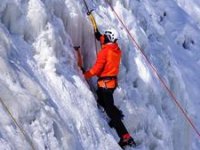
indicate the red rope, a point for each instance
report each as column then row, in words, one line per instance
column 170, row 92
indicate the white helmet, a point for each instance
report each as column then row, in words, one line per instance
column 112, row 35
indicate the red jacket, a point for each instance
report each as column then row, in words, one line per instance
column 107, row 64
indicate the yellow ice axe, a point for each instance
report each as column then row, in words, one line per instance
column 94, row 24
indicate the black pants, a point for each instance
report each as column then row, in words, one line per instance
column 105, row 99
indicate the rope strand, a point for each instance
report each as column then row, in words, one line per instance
column 16, row 123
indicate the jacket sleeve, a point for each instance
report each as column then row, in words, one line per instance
column 98, row 66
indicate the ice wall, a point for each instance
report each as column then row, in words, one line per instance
column 46, row 93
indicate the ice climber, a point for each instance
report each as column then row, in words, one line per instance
column 106, row 69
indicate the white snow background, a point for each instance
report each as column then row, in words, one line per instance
column 46, row 93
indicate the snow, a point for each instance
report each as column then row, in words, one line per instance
column 46, row 93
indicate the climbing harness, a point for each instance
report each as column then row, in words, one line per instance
column 170, row 92
column 107, row 79
column 17, row 124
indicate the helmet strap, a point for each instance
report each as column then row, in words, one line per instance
column 106, row 40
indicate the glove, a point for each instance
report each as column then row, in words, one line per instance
column 82, row 69
column 88, row 75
